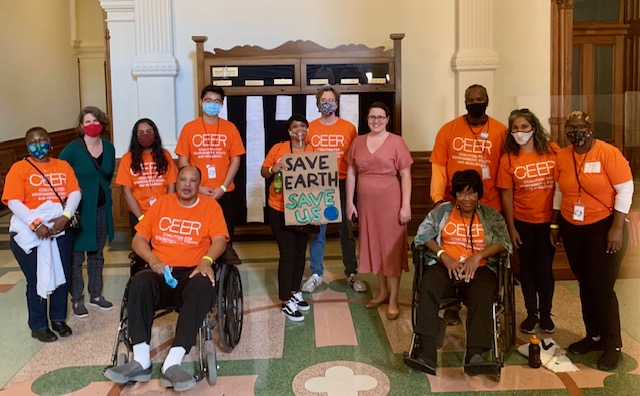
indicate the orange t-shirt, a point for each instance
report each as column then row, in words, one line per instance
column 26, row 184
column 148, row 186
column 276, row 200
column 598, row 170
column 531, row 177
column 181, row 236
column 460, row 146
column 210, row 147
column 336, row 137
column 455, row 238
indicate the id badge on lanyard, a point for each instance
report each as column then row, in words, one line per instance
column 211, row 171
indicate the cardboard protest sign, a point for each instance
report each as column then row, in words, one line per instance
column 311, row 188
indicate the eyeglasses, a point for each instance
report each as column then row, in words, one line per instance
column 376, row 118
column 466, row 194
column 579, row 128
column 209, row 100
column 327, row 101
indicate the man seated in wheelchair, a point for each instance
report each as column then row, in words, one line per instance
column 182, row 233
column 464, row 236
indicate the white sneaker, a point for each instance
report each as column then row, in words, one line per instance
column 312, row 283
column 302, row 305
column 290, row 309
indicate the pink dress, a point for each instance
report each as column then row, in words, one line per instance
column 383, row 240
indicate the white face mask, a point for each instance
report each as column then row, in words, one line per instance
column 522, row 137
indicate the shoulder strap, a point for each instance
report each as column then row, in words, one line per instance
column 95, row 162
column 45, row 178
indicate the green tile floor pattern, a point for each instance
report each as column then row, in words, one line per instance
column 276, row 375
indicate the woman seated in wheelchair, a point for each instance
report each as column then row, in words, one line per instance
column 463, row 235
column 182, row 233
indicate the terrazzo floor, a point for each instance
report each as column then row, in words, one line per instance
column 341, row 348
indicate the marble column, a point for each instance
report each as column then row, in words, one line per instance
column 475, row 61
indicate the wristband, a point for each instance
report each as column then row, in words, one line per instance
column 38, row 226
column 67, row 214
column 270, row 170
column 440, row 253
column 35, row 223
column 208, row 259
column 223, row 188
column 554, row 226
column 141, row 217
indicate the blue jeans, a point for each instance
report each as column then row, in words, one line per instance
column 347, row 243
column 57, row 300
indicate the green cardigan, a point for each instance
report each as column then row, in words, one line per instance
column 495, row 229
column 90, row 180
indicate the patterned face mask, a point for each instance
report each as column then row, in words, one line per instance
column 578, row 138
column 328, row 108
column 39, row 150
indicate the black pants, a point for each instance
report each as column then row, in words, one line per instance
column 479, row 295
column 536, row 258
column 292, row 246
column 596, row 271
column 148, row 292
column 228, row 206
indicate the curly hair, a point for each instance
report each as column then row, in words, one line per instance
column 162, row 163
column 540, row 136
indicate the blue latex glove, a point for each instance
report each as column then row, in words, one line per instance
column 171, row 281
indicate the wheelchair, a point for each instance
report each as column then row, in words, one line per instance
column 503, row 315
column 227, row 314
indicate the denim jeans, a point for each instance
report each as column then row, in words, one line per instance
column 57, row 300
column 347, row 243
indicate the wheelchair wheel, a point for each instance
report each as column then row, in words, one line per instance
column 230, row 306
column 212, row 368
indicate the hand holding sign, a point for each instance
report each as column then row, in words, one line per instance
column 311, row 188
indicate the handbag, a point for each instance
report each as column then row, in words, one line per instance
column 74, row 221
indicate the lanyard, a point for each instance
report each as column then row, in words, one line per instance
column 475, row 135
column 211, row 150
column 579, row 170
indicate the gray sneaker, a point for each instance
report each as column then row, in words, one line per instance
column 177, row 378
column 80, row 310
column 131, row 371
column 312, row 283
column 356, row 284
column 101, row 303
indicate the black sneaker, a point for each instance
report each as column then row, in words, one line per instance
column 101, row 302
column 80, row 310
column 302, row 305
column 546, row 324
column 586, row 345
column 609, row 360
column 290, row 309
column 528, row 325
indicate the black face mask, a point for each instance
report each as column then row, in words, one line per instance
column 476, row 110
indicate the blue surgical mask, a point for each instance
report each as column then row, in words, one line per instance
column 211, row 109
column 39, row 150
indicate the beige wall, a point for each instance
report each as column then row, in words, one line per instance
column 38, row 72
column 90, row 31
column 521, row 40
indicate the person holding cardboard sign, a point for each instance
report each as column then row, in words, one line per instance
column 292, row 241
column 375, row 160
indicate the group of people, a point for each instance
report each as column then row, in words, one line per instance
column 495, row 189
column 379, row 164
column 578, row 196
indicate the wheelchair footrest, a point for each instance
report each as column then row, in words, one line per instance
column 418, row 364
column 485, row 368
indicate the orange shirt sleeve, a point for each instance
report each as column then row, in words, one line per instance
column 124, row 177
column 172, row 170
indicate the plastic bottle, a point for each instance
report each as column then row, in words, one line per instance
column 277, row 183
column 534, row 352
